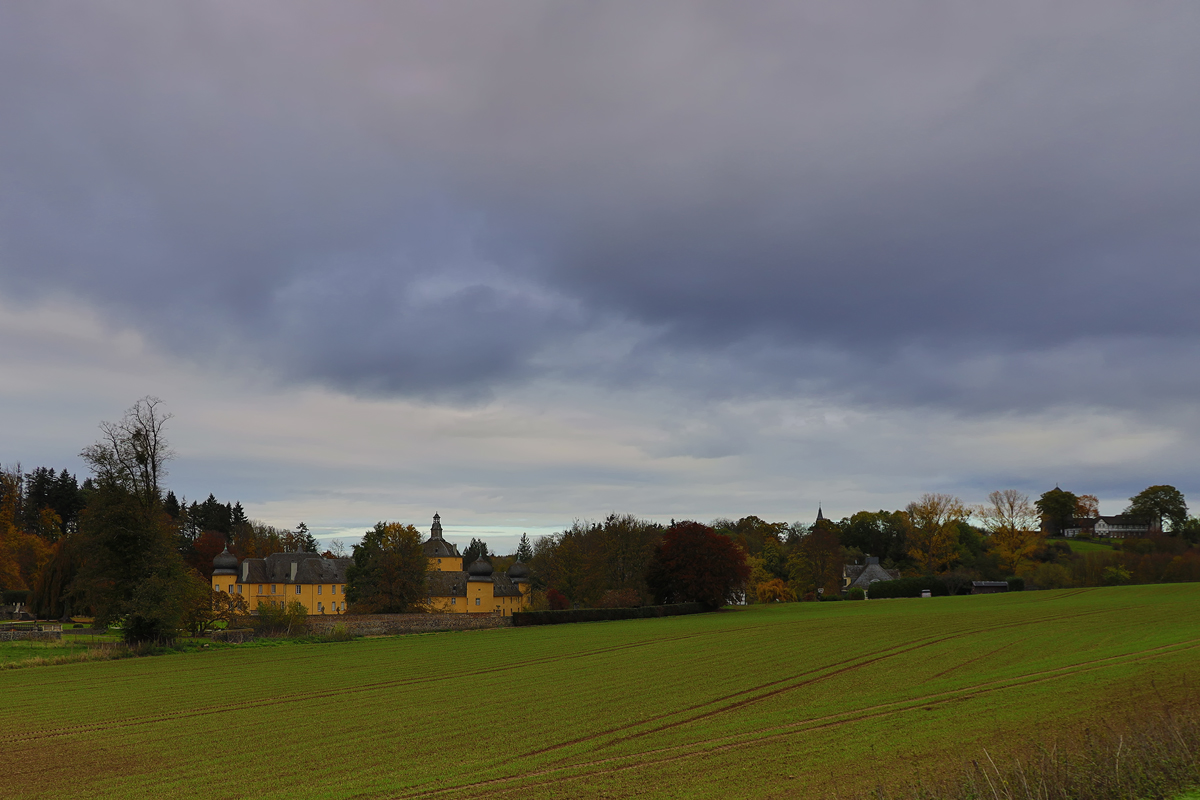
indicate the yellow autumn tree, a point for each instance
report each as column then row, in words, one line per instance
column 1012, row 523
column 933, row 530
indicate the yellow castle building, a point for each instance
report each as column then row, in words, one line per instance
column 475, row 590
column 318, row 583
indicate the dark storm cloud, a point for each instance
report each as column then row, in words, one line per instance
column 918, row 204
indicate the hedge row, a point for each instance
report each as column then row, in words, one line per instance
column 907, row 587
column 911, row 587
column 600, row 614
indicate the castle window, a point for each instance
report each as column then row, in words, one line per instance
column 297, row 588
column 272, row 588
column 476, row 601
column 239, row 588
column 231, row 588
column 260, row 588
column 318, row 588
column 453, row 600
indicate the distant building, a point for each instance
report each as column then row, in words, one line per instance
column 318, row 583
column 988, row 587
column 1121, row 526
column 863, row 575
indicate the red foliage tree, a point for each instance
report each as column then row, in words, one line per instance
column 208, row 545
column 695, row 564
column 557, row 600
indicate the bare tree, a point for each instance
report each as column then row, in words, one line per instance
column 132, row 453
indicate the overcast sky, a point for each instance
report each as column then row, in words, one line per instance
column 522, row 262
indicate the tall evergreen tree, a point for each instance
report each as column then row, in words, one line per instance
column 476, row 550
column 524, row 549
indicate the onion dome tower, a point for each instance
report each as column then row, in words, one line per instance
column 518, row 572
column 480, row 570
column 225, row 563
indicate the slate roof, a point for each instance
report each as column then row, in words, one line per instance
column 454, row 584
column 277, row 568
column 447, row 584
column 440, row 548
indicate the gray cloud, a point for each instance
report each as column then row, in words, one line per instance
column 986, row 209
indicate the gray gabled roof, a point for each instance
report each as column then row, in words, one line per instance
column 871, row 573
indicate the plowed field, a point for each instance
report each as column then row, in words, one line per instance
column 804, row 700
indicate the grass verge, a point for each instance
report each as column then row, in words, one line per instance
column 1148, row 755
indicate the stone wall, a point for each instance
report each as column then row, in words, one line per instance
column 383, row 624
column 37, row 636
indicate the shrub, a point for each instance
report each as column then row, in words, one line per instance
column 339, row 633
column 1016, row 584
column 557, row 600
column 774, row 591
column 1116, row 575
column 273, row 619
column 856, row 593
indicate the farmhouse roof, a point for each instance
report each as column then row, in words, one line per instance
column 869, row 572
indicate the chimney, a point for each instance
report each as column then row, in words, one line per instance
column 246, row 571
column 294, row 565
column 872, row 560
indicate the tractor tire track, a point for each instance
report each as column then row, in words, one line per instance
column 754, row 737
column 872, row 657
column 320, row 694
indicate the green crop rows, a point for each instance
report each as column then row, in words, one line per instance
column 802, row 699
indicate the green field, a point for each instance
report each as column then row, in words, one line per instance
column 802, row 699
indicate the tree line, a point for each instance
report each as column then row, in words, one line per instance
column 606, row 563
column 120, row 546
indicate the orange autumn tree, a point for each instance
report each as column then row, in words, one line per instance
column 22, row 554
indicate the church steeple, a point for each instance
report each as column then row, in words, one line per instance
column 820, row 515
column 436, row 531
